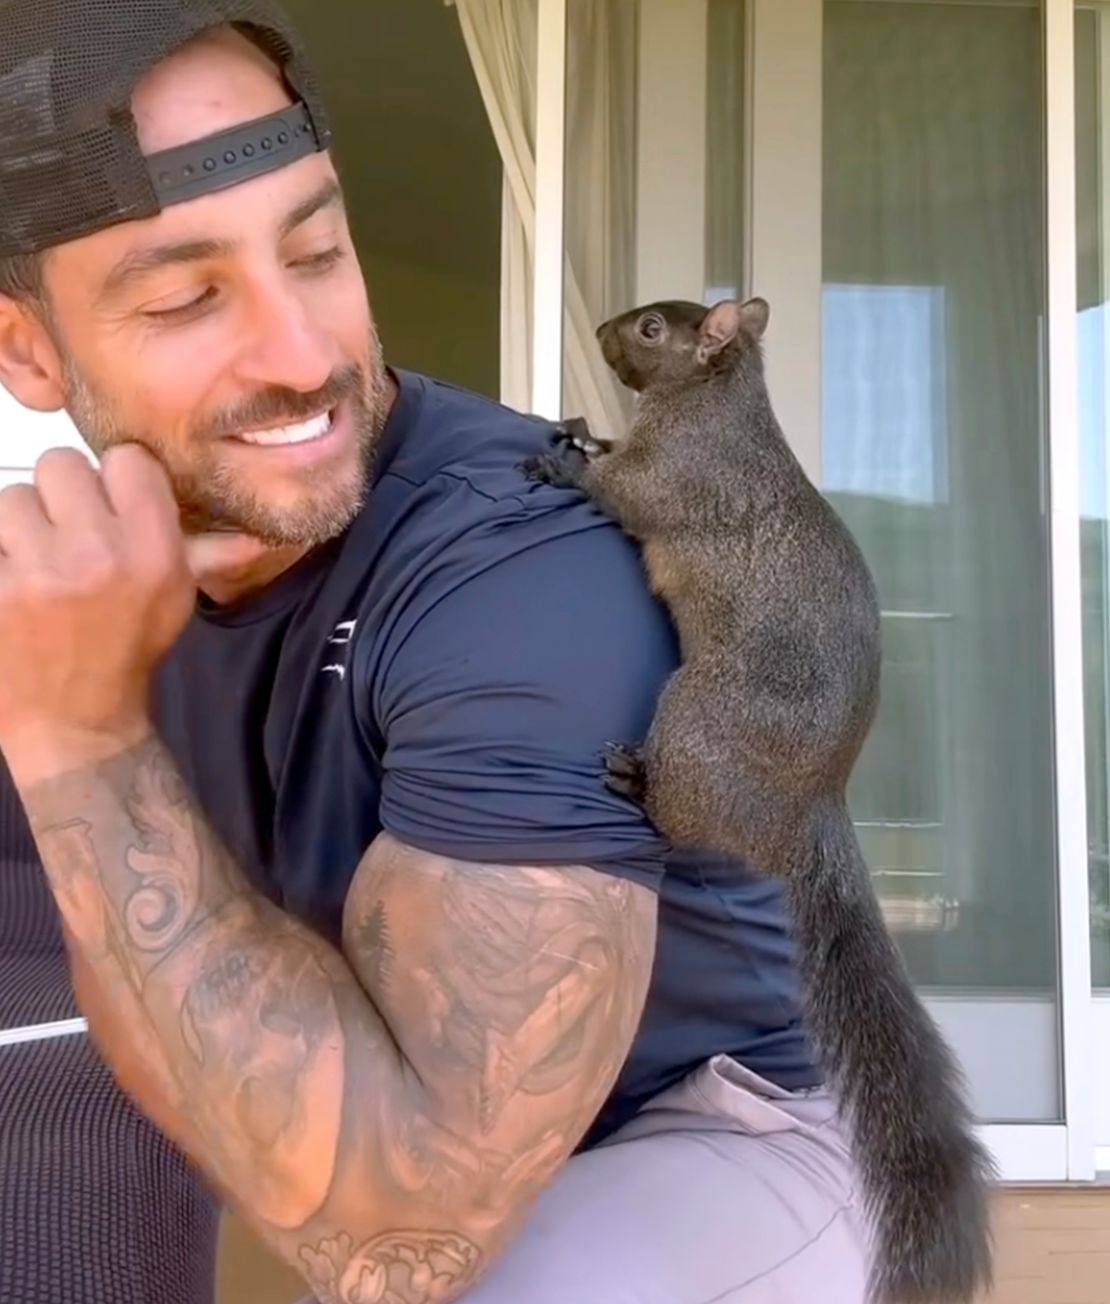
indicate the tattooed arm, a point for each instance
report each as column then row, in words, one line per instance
column 383, row 1117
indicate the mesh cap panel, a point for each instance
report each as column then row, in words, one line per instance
column 70, row 161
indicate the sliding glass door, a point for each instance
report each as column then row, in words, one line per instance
column 879, row 169
column 933, row 448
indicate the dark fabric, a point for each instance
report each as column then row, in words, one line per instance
column 70, row 160
column 96, row 1207
column 16, row 842
column 450, row 671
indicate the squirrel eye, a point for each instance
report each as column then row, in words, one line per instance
column 651, row 328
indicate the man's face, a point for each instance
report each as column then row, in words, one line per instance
column 232, row 334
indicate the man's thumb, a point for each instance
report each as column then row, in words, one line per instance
column 216, row 556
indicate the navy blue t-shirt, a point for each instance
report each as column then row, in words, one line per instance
column 450, row 671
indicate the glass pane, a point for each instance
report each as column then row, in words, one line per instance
column 1092, row 44
column 655, row 172
column 726, row 191
column 933, row 447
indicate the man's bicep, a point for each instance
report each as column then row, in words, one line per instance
column 514, row 992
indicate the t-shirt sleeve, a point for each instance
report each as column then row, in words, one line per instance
column 496, row 708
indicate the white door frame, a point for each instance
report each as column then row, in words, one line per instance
column 784, row 263
column 1074, row 908
column 549, row 264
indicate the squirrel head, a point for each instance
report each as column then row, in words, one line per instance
column 668, row 343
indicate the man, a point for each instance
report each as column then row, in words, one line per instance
column 353, row 914
column 95, row 1204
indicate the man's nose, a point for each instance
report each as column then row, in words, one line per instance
column 287, row 347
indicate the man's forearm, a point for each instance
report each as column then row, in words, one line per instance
column 253, row 1029
column 113, row 1011
column 153, row 900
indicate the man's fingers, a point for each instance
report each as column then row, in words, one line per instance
column 70, row 489
column 24, row 525
column 142, row 497
column 136, row 483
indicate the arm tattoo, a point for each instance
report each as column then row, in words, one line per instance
column 508, row 989
column 166, row 861
column 397, row 1268
column 382, row 1117
column 239, row 999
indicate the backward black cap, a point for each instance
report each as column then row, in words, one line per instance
column 70, row 161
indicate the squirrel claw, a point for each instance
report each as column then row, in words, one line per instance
column 575, row 433
column 625, row 771
column 549, row 468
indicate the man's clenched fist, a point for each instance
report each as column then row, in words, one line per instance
column 94, row 590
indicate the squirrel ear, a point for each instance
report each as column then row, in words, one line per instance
column 755, row 315
column 720, row 327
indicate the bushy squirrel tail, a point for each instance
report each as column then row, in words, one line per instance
column 926, row 1177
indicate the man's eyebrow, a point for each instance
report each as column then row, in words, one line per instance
column 330, row 195
column 144, row 261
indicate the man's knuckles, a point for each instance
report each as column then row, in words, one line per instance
column 129, row 481
column 60, row 573
column 66, row 563
column 69, row 471
column 64, row 460
column 21, row 509
column 133, row 476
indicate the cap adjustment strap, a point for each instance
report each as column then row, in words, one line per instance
column 231, row 157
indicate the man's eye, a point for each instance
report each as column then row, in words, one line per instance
column 320, row 262
column 183, row 310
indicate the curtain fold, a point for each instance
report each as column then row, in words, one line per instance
column 501, row 38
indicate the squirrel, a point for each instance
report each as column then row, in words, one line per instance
column 754, row 739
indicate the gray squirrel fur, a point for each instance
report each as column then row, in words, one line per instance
column 754, row 740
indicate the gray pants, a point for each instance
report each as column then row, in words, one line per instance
column 725, row 1188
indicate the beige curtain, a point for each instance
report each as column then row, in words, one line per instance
column 500, row 38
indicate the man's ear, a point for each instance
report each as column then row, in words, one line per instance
column 30, row 365
column 754, row 317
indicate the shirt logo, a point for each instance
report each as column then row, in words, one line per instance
column 342, row 637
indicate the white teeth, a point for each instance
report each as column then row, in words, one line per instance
column 302, row 434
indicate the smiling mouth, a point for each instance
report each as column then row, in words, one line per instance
column 304, row 432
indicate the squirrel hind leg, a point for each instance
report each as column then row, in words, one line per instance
column 693, row 799
column 626, row 772
column 703, row 791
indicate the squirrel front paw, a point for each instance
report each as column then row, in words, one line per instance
column 553, row 468
column 575, row 432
